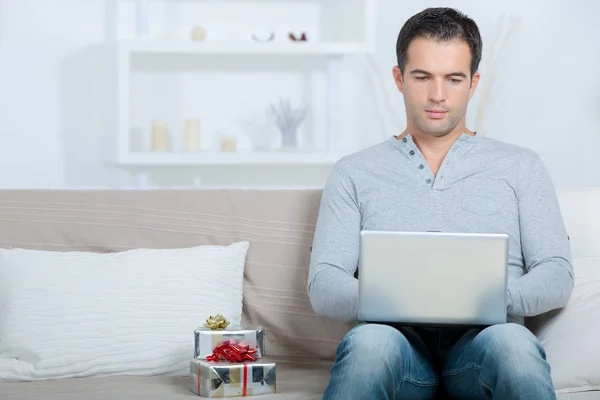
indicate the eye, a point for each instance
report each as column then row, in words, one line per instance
column 421, row 78
column 456, row 80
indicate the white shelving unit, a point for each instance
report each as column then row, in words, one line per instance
column 241, row 158
column 354, row 35
column 129, row 47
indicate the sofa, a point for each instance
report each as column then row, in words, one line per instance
column 279, row 225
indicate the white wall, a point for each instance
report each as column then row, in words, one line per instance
column 545, row 95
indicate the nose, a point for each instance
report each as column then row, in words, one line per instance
column 437, row 92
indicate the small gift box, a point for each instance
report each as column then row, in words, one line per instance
column 226, row 379
column 217, row 332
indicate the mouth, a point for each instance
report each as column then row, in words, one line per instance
column 436, row 114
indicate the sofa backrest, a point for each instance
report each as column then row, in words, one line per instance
column 279, row 225
column 581, row 213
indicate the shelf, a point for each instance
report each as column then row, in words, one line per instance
column 233, row 48
column 215, row 158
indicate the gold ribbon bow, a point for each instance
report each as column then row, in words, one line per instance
column 216, row 322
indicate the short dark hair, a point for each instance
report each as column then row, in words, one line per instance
column 440, row 24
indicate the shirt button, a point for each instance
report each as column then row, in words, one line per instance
column 428, row 180
column 412, row 153
column 404, row 140
column 421, row 166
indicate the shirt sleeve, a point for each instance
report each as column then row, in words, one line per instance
column 549, row 278
column 332, row 286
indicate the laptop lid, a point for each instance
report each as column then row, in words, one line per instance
column 433, row 278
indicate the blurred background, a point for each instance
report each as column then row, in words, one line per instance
column 127, row 94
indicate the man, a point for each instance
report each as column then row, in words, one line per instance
column 439, row 176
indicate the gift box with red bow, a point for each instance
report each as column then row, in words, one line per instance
column 228, row 361
column 207, row 340
column 218, row 379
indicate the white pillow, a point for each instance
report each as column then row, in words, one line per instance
column 571, row 336
column 78, row 314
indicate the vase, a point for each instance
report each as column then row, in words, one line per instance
column 289, row 138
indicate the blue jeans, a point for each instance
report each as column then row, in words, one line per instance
column 377, row 361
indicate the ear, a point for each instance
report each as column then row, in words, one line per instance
column 474, row 82
column 397, row 74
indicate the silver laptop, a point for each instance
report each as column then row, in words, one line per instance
column 432, row 278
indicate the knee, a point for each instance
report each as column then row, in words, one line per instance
column 373, row 344
column 513, row 347
column 369, row 364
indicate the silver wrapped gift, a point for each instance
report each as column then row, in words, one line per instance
column 206, row 340
column 225, row 379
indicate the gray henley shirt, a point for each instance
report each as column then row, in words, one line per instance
column 483, row 186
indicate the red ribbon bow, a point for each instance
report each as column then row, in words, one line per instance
column 233, row 352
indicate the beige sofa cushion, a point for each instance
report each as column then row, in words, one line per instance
column 278, row 224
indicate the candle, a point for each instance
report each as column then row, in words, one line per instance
column 228, row 144
column 192, row 135
column 159, row 136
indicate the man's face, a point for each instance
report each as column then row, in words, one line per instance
column 436, row 85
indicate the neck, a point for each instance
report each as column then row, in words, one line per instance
column 435, row 148
column 435, row 144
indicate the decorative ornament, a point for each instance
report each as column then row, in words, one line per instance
column 263, row 38
column 198, row 34
column 261, row 132
column 300, row 39
column 217, row 322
